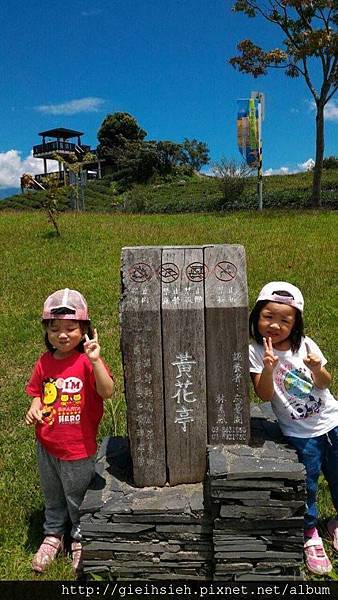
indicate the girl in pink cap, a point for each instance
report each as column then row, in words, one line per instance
column 68, row 385
column 287, row 369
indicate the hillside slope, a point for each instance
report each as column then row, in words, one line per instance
column 190, row 194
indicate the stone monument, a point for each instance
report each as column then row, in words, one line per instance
column 184, row 340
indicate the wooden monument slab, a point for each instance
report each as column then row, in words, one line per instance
column 226, row 308
column 184, row 363
column 141, row 345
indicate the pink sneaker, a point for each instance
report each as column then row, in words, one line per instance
column 332, row 528
column 76, row 550
column 49, row 549
column 315, row 556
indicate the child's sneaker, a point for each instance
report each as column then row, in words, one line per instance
column 315, row 556
column 76, row 550
column 332, row 528
column 49, row 549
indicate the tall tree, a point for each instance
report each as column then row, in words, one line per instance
column 311, row 40
column 116, row 132
column 195, row 153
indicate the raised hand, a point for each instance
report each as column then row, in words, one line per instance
column 92, row 347
column 269, row 358
column 312, row 360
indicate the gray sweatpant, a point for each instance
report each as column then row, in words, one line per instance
column 64, row 484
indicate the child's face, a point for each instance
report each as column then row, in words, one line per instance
column 276, row 321
column 65, row 335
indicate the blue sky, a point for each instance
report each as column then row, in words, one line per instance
column 165, row 62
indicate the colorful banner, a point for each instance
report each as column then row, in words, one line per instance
column 247, row 131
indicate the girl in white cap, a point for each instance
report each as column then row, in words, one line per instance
column 68, row 385
column 287, row 369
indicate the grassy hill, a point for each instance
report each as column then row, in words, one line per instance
column 189, row 194
column 34, row 262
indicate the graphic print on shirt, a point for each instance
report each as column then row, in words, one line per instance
column 297, row 388
column 49, row 397
column 62, row 400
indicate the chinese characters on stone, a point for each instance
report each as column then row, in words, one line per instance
column 184, row 395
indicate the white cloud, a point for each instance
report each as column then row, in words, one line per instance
column 307, row 165
column 330, row 110
column 12, row 166
column 90, row 104
column 280, row 171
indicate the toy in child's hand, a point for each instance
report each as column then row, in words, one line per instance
column 92, row 347
column 269, row 360
column 312, row 361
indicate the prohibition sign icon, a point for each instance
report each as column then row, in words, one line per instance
column 140, row 272
column 168, row 272
column 196, row 271
column 225, row 271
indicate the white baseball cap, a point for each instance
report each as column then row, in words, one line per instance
column 273, row 291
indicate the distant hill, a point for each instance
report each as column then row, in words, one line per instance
column 188, row 194
column 7, row 192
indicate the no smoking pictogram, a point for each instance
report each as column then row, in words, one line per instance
column 140, row 272
column 225, row 271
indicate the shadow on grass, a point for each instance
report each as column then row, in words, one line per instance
column 51, row 235
column 35, row 530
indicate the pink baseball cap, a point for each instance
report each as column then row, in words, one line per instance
column 65, row 304
column 270, row 292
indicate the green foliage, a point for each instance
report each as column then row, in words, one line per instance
column 181, row 192
column 331, row 162
column 194, row 153
column 135, row 160
column 116, row 132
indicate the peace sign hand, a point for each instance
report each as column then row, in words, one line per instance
column 92, row 347
column 312, row 361
column 269, row 359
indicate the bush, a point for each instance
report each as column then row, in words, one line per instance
column 233, row 179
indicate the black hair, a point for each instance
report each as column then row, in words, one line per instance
column 297, row 331
column 85, row 327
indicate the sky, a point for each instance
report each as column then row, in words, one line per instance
column 163, row 61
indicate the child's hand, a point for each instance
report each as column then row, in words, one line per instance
column 34, row 415
column 269, row 359
column 92, row 348
column 312, row 361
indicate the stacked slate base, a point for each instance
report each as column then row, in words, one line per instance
column 257, row 493
column 143, row 533
column 245, row 523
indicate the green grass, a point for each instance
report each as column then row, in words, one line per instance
column 299, row 247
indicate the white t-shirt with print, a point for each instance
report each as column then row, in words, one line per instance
column 302, row 409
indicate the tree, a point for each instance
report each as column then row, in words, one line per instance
column 168, row 156
column 116, row 132
column 195, row 154
column 331, row 162
column 311, row 40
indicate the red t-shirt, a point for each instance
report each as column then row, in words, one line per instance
column 72, row 408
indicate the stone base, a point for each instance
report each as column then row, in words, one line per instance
column 244, row 523
column 257, row 495
column 143, row 533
